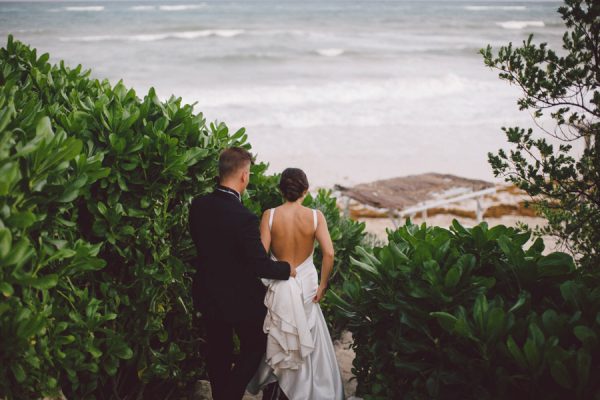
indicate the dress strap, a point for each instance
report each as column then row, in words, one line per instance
column 315, row 218
column 271, row 213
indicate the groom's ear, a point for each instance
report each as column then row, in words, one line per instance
column 245, row 176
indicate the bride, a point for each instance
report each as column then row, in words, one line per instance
column 300, row 355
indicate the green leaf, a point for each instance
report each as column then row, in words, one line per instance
column 552, row 323
column 462, row 328
column 586, row 335
column 458, row 228
column 22, row 220
column 452, row 276
column 495, row 322
column 369, row 268
column 480, row 310
column 536, row 335
column 110, row 365
column 516, row 352
column 523, row 297
column 6, row 289
column 68, row 195
column 399, row 256
column 366, row 255
column 101, row 208
column 51, row 382
column 123, row 351
column 9, row 173
column 532, row 354
column 561, row 375
column 43, row 282
column 94, row 351
column 6, row 115
column 18, row 372
column 5, row 242
column 446, row 320
column 44, row 128
column 19, row 253
column 555, row 264
column 30, row 327
column 584, row 362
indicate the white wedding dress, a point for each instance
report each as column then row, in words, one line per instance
column 300, row 354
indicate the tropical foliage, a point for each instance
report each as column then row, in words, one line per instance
column 564, row 173
column 95, row 253
column 469, row 313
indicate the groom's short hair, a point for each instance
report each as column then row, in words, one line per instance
column 232, row 160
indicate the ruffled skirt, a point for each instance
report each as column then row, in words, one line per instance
column 300, row 354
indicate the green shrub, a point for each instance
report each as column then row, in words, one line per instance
column 95, row 253
column 94, row 191
column 471, row 314
column 563, row 86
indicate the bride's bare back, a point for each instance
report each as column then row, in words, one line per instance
column 293, row 234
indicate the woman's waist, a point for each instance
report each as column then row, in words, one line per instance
column 306, row 266
column 303, row 266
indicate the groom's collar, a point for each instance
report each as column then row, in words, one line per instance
column 230, row 191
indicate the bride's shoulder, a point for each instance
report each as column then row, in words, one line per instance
column 312, row 210
column 266, row 215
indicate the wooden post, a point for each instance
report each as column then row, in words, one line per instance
column 392, row 215
column 347, row 206
column 479, row 211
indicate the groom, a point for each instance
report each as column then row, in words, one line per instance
column 226, row 287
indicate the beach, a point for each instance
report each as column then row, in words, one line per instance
column 349, row 90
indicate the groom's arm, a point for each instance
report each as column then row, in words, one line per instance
column 255, row 253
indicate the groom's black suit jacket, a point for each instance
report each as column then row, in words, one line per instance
column 231, row 259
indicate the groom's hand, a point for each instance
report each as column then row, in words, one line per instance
column 292, row 272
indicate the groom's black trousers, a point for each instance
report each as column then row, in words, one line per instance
column 229, row 383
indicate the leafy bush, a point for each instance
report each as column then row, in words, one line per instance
column 471, row 314
column 94, row 190
column 95, row 254
column 564, row 86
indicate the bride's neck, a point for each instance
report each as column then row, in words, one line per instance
column 294, row 203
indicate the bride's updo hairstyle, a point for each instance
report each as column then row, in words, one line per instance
column 293, row 183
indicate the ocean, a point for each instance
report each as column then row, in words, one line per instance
column 349, row 90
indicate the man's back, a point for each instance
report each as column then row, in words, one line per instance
column 226, row 288
column 229, row 263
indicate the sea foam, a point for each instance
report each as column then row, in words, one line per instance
column 153, row 37
column 181, row 7
column 142, row 8
column 503, row 8
column 84, row 8
column 338, row 103
column 330, row 52
column 520, row 24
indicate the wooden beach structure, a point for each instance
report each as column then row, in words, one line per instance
column 406, row 196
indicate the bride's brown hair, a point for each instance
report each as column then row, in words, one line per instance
column 293, row 183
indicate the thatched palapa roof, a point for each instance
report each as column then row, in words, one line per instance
column 403, row 192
